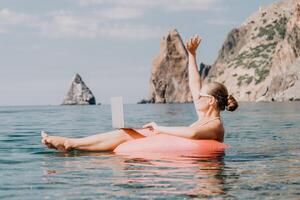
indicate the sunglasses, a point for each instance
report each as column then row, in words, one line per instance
column 203, row 95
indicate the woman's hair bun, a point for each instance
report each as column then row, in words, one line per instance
column 231, row 103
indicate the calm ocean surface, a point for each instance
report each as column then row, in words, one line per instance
column 262, row 163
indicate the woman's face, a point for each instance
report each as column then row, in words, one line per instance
column 203, row 100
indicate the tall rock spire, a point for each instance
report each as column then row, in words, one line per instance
column 169, row 75
column 79, row 93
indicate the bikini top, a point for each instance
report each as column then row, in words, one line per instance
column 208, row 121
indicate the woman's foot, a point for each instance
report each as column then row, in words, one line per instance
column 56, row 142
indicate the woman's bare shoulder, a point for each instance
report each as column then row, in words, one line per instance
column 214, row 127
column 215, row 123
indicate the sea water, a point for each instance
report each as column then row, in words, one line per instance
column 262, row 163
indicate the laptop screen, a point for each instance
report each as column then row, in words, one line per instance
column 117, row 112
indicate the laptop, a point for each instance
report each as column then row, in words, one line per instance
column 117, row 114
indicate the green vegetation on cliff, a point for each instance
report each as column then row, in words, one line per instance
column 258, row 58
column 270, row 30
column 247, row 79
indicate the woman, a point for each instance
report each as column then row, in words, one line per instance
column 209, row 101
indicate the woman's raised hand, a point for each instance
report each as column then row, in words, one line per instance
column 193, row 43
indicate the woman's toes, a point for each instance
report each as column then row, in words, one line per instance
column 50, row 146
column 55, row 142
column 43, row 141
column 44, row 134
column 48, row 142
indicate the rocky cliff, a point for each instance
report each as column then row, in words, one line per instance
column 169, row 75
column 260, row 59
column 79, row 93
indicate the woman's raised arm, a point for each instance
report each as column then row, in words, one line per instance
column 195, row 81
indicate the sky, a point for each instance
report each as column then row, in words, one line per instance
column 110, row 43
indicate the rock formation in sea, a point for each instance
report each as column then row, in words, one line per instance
column 259, row 61
column 79, row 93
column 169, row 75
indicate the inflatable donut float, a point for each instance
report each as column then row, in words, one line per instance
column 167, row 145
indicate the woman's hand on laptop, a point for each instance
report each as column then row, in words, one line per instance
column 152, row 126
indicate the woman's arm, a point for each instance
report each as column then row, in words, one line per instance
column 195, row 82
column 197, row 133
column 193, row 132
column 180, row 131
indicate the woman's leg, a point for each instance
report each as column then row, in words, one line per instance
column 99, row 142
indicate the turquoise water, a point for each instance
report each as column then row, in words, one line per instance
column 262, row 163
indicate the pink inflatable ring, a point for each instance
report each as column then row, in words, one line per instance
column 170, row 145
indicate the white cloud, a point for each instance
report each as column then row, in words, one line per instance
column 107, row 18
column 66, row 27
column 9, row 17
column 90, row 2
column 144, row 5
column 129, row 3
column 130, row 31
column 183, row 5
column 63, row 24
column 133, row 9
column 111, row 19
column 119, row 9
column 120, row 13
